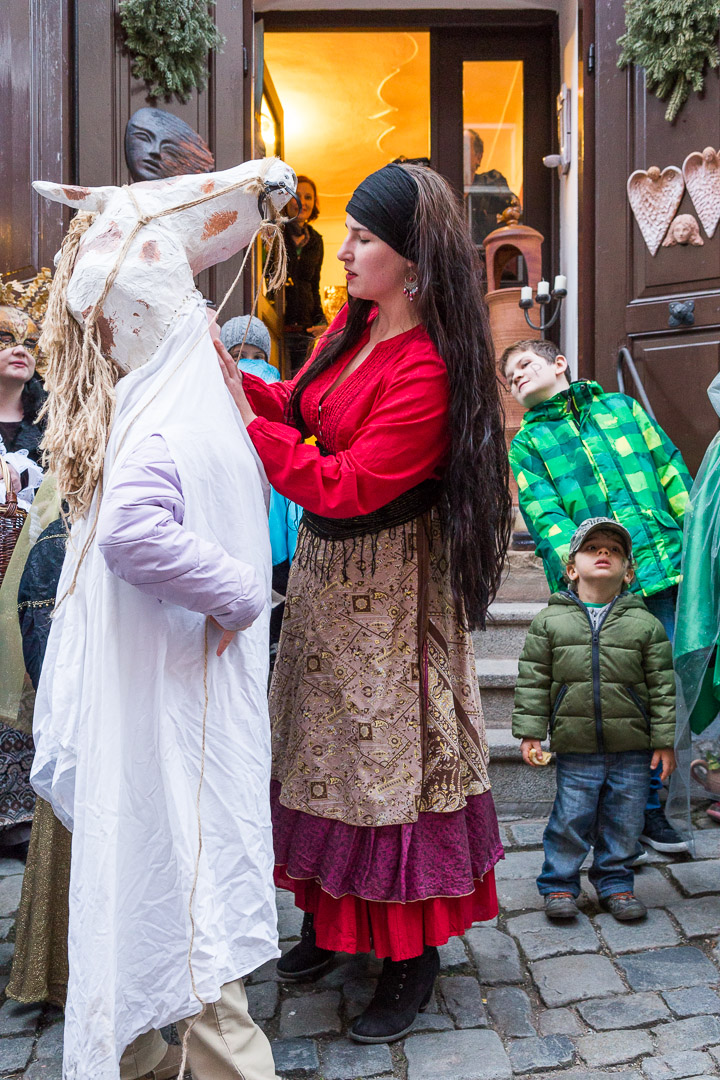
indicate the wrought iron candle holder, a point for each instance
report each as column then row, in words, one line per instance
column 544, row 297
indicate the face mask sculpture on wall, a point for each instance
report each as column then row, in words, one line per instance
column 158, row 144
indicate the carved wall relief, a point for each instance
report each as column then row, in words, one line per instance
column 655, row 197
column 702, row 176
column 684, row 229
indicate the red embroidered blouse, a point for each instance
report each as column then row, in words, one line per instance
column 385, row 427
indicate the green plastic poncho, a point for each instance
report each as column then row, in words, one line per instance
column 697, row 632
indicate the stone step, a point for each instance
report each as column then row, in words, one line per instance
column 496, row 679
column 518, row 789
column 507, row 626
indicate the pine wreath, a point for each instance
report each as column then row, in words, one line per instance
column 672, row 40
column 169, row 41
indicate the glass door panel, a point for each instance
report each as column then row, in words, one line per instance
column 493, row 119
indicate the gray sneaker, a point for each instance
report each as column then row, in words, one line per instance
column 641, row 856
column 624, row 906
column 560, row 905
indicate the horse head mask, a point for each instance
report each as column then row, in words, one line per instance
column 203, row 220
column 125, row 270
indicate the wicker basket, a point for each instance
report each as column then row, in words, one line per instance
column 12, row 519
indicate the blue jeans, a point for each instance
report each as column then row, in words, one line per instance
column 662, row 606
column 600, row 802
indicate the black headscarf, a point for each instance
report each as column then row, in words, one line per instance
column 385, row 204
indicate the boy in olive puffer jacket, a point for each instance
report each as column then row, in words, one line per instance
column 596, row 671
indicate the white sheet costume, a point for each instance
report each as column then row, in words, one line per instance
column 118, row 729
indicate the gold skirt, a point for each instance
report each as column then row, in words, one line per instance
column 374, row 702
column 40, row 964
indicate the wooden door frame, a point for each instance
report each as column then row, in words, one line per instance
column 273, row 315
column 586, row 192
column 430, row 19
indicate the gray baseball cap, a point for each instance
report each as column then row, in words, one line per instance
column 600, row 524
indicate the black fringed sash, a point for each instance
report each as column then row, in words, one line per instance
column 318, row 551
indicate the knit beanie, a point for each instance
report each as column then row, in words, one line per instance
column 233, row 333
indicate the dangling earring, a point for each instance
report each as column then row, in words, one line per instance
column 411, row 286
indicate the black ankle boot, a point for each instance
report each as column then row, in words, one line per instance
column 404, row 988
column 306, row 960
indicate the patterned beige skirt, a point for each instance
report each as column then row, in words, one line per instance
column 374, row 702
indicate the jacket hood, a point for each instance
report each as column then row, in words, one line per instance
column 625, row 600
column 576, row 398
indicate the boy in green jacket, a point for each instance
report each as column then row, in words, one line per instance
column 596, row 672
column 582, row 453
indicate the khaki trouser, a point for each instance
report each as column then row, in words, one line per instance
column 224, row 1044
column 142, row 1056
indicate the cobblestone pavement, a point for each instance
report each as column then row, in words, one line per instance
column 594, row 1000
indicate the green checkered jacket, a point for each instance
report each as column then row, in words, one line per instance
column 585, row 453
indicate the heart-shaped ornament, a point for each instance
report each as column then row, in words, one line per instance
column 702, row 176
column 654, row 197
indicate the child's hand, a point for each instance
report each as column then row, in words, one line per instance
column 667, row 759
column 526, row 746
column 227, row 635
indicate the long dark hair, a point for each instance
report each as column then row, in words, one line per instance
column 475, row 504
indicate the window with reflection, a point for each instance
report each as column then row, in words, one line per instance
column 492, row 141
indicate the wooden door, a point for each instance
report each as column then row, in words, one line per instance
column 66, row 101
column 634, row 289
column 34, row 131
column 533, row 48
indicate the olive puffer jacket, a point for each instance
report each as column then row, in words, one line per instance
column 597, row 691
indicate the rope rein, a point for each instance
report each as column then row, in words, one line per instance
column 191, row 903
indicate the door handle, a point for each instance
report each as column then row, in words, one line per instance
column 682, row 313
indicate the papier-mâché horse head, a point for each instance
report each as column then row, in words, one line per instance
column 156, row 273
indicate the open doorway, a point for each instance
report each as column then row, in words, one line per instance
column 476, row 100
column 352, row 101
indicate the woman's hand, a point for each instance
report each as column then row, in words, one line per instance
column 234, row 382
column 15, row 482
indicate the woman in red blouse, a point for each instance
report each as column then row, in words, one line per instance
column 383, row 820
